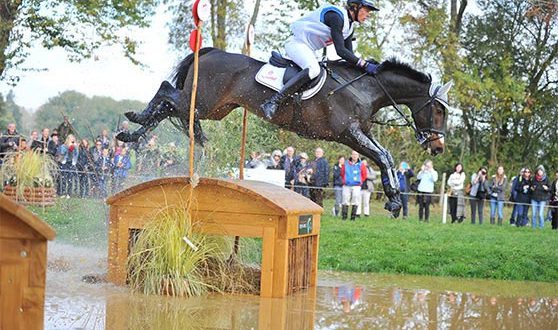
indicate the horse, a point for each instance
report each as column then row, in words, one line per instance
column 226, row 81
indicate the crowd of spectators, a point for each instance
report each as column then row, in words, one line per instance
column 94, row 169
column 97, row 170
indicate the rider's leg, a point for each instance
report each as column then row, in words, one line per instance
column 304, row 57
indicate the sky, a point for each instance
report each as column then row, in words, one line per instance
column 109, row 73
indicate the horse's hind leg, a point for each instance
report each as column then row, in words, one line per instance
column 369, row 147
column 161, row 105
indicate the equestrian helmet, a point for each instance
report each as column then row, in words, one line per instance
column 363, row 3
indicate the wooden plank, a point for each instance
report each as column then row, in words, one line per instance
column 33, row 308
column 314, row 273
column 292, row 226
column 268, row 255
column 11, row 249
column 233, row 230
column 280, row 268
column 13, row 278
column 114, row 227
column 37, row 256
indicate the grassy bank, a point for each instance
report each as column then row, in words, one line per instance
column 383, row 245
column 379, row 244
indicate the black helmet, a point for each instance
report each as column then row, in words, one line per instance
column 363, row 3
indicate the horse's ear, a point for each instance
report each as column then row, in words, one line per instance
column 445, row 88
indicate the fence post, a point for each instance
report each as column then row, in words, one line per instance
column 444, row 208
column 443, row 187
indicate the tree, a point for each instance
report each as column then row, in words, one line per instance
column 79, row 27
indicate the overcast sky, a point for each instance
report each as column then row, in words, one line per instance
column 108, row 74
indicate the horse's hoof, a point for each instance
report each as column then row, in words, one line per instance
column 133, row 117
column 394, row 208
column 125, row 137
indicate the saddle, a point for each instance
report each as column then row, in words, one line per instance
column 279, row 70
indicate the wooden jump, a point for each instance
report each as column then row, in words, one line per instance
column 23, row 254
column 287, row 222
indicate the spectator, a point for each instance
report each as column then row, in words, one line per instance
column 427, row 176
column 554, row 201
column 479, row 191
column 121, row 165
column 286, row 163
column 68, row 166
column 85, row 166
column 169, row 160
column 53, row 145
column 353, row 174
column 523, row 198
column 104, row 138
column 33, row 138
column 150, row 158
column 104, row 168
column 497, row 190
column 404, row 174
column 338, row 185
column 117, row 148
column 320, row 177
column 65, row 129
column 366, row 190
column 23, row 145
column 274, row 162
column 456, row 200
column 513, row 196
column 96, row 153
column 9, row 140
column 540, row 191
column 302, row 174
column 41, row 144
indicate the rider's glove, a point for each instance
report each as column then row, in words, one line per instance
column 371, row 68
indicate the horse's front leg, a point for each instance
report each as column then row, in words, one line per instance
column 369, row 147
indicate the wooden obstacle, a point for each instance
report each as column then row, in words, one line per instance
column 288, row 223
column 23, row 247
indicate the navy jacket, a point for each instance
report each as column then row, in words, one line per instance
column 337, row 179
column 321, row 176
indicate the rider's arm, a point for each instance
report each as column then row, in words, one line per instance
column 335, row 23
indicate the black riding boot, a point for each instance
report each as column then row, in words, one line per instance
column 344, row 211
column 292, row 86
column 353, row 212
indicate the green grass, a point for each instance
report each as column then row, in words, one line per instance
column 383, row 245
column 379, row 244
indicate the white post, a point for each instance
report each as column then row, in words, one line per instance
column 444, row 208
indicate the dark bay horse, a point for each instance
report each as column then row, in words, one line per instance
column 226, row 82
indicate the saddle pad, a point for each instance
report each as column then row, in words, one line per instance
column 272, row 77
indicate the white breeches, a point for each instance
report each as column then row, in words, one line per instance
column 365, row 202
column 351, row 195
column 304, row 56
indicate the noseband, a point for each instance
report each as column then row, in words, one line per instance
column 423, row 135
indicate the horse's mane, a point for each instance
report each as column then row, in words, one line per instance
column 395, row 65
column 392, row 64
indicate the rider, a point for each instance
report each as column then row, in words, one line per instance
column 320, row 28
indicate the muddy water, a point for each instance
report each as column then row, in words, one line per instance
column 342, row 301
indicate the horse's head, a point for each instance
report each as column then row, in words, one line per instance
column 430, row 115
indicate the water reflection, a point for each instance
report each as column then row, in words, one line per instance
column 342, row 301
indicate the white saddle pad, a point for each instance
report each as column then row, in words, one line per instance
column 272, row 77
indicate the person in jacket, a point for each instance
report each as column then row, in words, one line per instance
column 513, row 196
column 274, row 162
column 540, row 192
column 498, row 185
column 404, row 174
column 456, row 200
column 301, row 174
column 338, row 185
column 121, row 165
column 353, row 174
column 68, row 157
column 479, row 192
column 85, row 168
column 366, row 190
column 523, row 198
column 320, row 177
column 104, row 168
column 427, row 176
column 554, row 201
column 286, row 164
column 9, row 141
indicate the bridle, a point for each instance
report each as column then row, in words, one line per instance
column 422, row 135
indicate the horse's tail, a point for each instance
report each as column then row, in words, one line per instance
column 181, row 70
column 179, row 79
